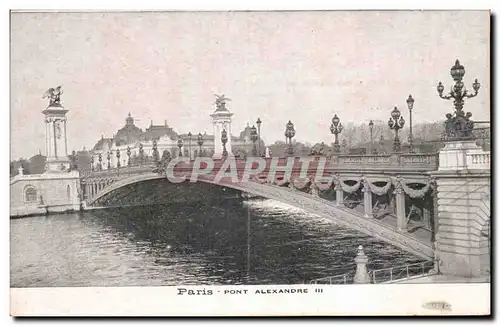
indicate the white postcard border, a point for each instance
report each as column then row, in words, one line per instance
column 320, row 300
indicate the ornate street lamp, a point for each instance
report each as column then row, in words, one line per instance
column 109, row 158
column 200, row 142
column 459, row 125
column 118, row 157
column 179, row 144
column 254, row 137
column 141, row 153
column 370, row 125
column 128, row 155
column 258, row 127
column 395, row 123
column 410, row 102
column 156, row 155
column 92, row 163
column 189, row 135
column 223, row 139
column 336, row 129
column 289, row 134
column 100, row 161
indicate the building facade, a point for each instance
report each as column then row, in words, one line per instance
column 131, row 145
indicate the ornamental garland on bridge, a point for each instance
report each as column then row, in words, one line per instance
column 350, row 189
column 379, row 190
column 415, row 193
column 323, row 183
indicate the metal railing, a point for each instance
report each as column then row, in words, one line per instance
column 388, row 275
column 385, row 275
column 337, row 279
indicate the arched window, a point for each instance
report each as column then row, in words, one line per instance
column 30, row 195
column 68, row 192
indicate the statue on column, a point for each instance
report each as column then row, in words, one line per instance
column 220, row 102
column 54, row 96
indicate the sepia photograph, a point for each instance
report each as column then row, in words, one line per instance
column 230, row 154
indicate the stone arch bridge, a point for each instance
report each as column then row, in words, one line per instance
column 356, row 184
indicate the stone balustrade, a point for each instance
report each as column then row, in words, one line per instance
column 479, row 160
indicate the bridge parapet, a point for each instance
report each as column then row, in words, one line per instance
column 396, row 162
column 479, row 161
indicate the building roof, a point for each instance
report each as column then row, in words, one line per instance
column 100, row 144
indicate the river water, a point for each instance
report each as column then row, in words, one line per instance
column 200, row 243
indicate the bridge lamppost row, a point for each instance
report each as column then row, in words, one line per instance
column 224, row 141
column 200, row 142
column 258, row 128
column 289, row 134
column 179, row 144
column 460, row 125
column 189, row 144
column 370, row 125
column 253, row 138
column 396, row 122
column 336, row 129
column 128, row 155
column 410, row 102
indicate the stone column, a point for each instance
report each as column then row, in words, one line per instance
column 367, row 193
column 87, row 191
column 361, row 276
column 400, row 207
column 426, row 215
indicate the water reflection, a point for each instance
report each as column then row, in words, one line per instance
column 207, row 242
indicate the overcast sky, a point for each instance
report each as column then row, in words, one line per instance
column 302, row 66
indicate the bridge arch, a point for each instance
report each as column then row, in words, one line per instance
column 313, row 204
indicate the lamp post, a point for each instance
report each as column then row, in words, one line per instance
column 459, row 125
column 109, row 158
column 128, row 154
column 344, row 146
column 92, row 163
column 370, row 125
column 200, row 142
column 395, row 123
column 258, row 128
column 223, row 139
column 179, row 144
column 118, row 164
column 336, row 129
column 141, row 153
column 410, row 102
column 156, row 156
column 253, row 138
column 100, row 161
column 189, row 135
column 381, row 142
column 289, row 134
